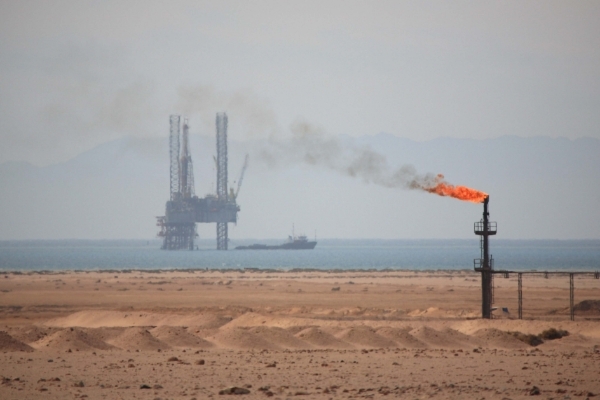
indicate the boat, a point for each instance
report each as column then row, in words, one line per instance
column 294, row 243
column 298, row 243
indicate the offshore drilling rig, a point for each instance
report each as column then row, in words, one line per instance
column 184, row 209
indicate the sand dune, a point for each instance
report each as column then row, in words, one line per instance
column 31, row 333
column 280, row 337
column 178, row 336
column 138, row 339
column 401, row 337
column 364, row 337
column 243, row 339
column 253, row 330
column 319, row 335
column 587, row 307
column 448, row 338
column 99, row 318
column 460, row 338
column 74, row 339
column 495, row 338
column 573, row 341
column 105, row 333
column 248, row 319
column 318, row 338
column 8, row 343
column 236, row 329
column 283, row 320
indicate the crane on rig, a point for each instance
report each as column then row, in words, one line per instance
column 239, row 185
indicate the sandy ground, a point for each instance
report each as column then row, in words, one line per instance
column 306, row 334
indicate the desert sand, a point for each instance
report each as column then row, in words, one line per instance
column 293, row 334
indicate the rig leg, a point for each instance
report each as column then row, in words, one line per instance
column 222, row 192
column 179, row 237
column 222, row 236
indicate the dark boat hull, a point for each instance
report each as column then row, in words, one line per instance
column 285, row 246
column 298, row 246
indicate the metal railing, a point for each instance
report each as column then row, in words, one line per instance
column 491, row 227
column 478, row 263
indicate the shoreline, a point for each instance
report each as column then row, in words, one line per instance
column 288, row 270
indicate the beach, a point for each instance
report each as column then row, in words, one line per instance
column 282, row 334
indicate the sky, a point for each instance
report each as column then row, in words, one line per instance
column 304, row 83
column 76, row 74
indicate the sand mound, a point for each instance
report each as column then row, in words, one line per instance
column 8, row 343
column 138, row 339
column 588, row 307
column 202, row 333
column 281, row 320
column 105, row 333
column 495, row 338
column 243, row 339
column 99, row 318
column 461, row 338
column 571, row 342
column 298, row 328
column 211, row 321
column 248, row 319
column 75, row 339
column 280, row 337
column 448, row 338
column 178, row 336
column 401, row 337
column 364, row 336
column 32, row 334
column 433, row 312
column 318, row 338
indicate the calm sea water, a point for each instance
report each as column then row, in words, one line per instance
column 329, row 254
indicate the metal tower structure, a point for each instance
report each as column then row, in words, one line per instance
column 186, row 179
column 179, row 232
column 221, row 122
column 485, row 264
column 184, row 209
column 174, row 154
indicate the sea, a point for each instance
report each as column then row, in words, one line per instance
column 330, row 254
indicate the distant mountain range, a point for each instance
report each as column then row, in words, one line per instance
column 539, row 188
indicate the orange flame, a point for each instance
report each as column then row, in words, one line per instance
column 464, row 193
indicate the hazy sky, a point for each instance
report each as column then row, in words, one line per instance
column 74, row 74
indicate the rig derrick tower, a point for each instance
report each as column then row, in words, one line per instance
column 222, row 229
column 178, row 227
column 186, row 179
column 184, row 209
